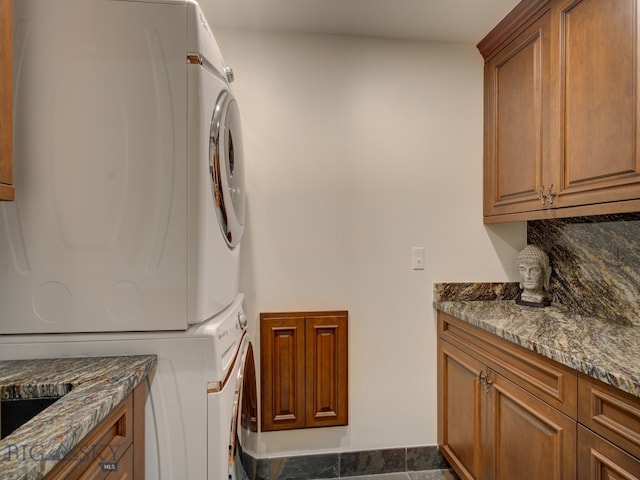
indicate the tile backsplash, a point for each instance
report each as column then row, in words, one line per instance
column 596, row 264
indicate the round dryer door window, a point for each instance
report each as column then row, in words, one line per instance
column 226, row 166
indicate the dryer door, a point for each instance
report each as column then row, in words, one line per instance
column 226, row 167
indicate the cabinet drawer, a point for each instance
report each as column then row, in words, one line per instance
column 599, row 459
column 550, row 381
column 610, row 412
column 125, row 467
column 105, row 444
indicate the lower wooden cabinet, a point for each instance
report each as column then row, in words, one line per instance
column 492, row 429
column 303, row 363
column 114, row 449
column 505, row 413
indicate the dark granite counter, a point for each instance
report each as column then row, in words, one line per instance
column 90, row 389
column 606, row 350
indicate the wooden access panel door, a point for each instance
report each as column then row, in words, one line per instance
column 6, row 100
column 595, row 130
column 529, row 438
column 303, row 364
column 326, row 370
column 282, row 365
column 460, row 406
column 517, row 122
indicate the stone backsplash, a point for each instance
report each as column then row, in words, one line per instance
column 596, row 264
column 448, row 292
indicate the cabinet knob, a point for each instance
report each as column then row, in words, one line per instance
column 542, row 196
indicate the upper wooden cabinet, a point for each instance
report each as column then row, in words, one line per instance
column 517, row 121
column 6, row 100
column 561, row 110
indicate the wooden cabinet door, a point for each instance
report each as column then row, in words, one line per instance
column 6, row 100
column 460, row 405
column 326, row 371
column 599, row 459
column 282, row 357
column 517, row 122
column 595, row 99
column 529, row 438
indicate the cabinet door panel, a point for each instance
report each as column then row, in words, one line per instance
column 282, row 366
column 597, row 99
column 460, row 410
column 326, row 366
column 516, row 122
column 531, row 439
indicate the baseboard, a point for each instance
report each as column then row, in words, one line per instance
column 345, row 464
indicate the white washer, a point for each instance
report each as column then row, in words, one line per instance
column 194, row 413
column 129, row 180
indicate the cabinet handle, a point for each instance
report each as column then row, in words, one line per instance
column 487, row 383
column 551, row 194
column 483, row 379
column 548, row 196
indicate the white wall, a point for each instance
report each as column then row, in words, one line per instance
column 356, row 151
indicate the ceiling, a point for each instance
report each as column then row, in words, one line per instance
column 429, row 20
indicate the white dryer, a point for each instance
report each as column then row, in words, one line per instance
column 129, row 180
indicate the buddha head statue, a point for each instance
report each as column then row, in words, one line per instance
column 535, row 274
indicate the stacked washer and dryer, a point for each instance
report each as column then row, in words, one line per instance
column 125, row 233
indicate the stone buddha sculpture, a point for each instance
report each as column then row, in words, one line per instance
column 535, row 273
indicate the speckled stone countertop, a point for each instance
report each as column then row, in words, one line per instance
column 607, row 351
column 92, row 387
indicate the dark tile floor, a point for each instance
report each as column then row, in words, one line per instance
column 410, row 463
column 425, row 475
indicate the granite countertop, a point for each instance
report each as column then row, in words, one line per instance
column 91, row 386
column 605, row 350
